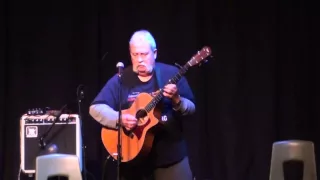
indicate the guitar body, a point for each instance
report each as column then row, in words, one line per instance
column 137, row 144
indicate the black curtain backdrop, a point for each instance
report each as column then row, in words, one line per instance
column 260, row 87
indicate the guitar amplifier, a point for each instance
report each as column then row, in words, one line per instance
column 63, row 137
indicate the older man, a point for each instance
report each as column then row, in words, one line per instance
column 168, row 159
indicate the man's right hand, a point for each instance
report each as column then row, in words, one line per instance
column 128, row 121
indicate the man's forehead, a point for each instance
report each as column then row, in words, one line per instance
column 143, row 38
column 140, row 47
column 139, row 43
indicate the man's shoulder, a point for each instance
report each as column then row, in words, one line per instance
column 112, row 80
column 166, row 67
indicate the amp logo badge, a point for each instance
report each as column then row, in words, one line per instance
column 31, row 131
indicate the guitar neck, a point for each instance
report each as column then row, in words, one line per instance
column 173, row 80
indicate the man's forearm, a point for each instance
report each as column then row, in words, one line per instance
column 186, row 106
column 104, row 114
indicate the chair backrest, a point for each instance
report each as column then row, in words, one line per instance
column 300, row 152
column 58, row 165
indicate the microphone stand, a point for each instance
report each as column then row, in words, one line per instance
column 80, row 97
column 119, row 126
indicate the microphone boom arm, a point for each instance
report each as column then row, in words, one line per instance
column 42, row 142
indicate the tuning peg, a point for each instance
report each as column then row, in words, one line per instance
column 203, row 62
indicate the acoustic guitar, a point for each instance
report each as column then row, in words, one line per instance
column 137, row 143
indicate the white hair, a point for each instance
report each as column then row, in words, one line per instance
column 142, row 36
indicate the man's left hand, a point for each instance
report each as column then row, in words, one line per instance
column 171, row 91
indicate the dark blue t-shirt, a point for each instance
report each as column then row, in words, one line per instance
column 169, row 145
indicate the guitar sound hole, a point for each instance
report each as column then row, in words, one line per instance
column 141, row 114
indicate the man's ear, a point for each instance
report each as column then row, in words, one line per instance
column 155, row 53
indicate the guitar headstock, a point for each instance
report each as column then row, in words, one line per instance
column 200, row 56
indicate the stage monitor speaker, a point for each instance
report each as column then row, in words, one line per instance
column 64, row 137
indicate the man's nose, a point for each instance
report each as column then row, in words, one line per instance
column 140, row 60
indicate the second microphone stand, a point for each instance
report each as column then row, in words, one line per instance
column 80, row 97
column 119, row 126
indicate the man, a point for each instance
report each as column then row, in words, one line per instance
column 168, row 159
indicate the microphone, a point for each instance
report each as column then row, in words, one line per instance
column 120, row 67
